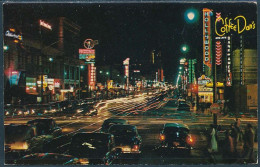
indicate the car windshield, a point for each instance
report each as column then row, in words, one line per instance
column 118, row 130
column 42, row 126
column 173, row 130
column 16, row 130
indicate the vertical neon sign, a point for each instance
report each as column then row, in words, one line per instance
column 207, row 37
column 241, row 60
column 229, row 72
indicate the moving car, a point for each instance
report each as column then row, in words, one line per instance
column 86, row 110
column 126, row 138
column 176, row 137
column 46, row 127
column 112, row 121
column 183, row 107
column 97, row 148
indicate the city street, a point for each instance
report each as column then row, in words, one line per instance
column 148, row 125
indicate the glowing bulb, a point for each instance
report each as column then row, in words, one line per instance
column 191, row 15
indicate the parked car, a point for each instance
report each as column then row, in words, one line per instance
column 18, row 137
column 112, row 121
column 19, row 110
column 47, row 159
column 126, row 138
column 46, row 127
column 97, row 148
column 176, row 137
column 8, row 110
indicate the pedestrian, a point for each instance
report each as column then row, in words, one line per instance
column 227, row 147
column 234, row 135
column 248, row 149
column 213, row 140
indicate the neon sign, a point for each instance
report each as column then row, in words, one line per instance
column 13, row 35
column 46, row 25
column 226, row 25
column 206, row 37
column 218, row 53
column 229, row 73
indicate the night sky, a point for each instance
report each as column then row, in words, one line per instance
column 134, row 30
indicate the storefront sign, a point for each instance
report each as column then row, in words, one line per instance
column 126, row 61
column 89, row 44
column 91, row 76
column 30, row 85
column 56, row 83
column 207, row 37
column 87, row 54
column 8, row 33
column 239, row 24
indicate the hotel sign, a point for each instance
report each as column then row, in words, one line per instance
column 207, row 37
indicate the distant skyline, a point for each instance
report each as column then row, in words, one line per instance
column 134, row 30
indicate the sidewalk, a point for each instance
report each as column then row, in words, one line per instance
column 217, row 158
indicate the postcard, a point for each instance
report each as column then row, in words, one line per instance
column 130, row 83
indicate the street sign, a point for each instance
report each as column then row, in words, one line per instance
column 215, row 108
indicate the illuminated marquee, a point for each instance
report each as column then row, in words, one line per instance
column 46, row 25
column 239, row 24
column 206, row 37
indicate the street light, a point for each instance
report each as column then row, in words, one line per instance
column 184, row 48
column 5, row 47
column 191, row 15
column 82, row 67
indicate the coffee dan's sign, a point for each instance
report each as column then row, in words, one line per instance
column 238, row 24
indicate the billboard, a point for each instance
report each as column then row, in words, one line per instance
column 87, row 54
column 207, row 37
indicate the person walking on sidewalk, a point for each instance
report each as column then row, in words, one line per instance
column 228, row 147
column 213, row 140
column 248, row 144
column 235, row 137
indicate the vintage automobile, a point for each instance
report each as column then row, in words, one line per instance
column 18, row 137
column 112, row 121
column 176, row 137
column 97, row 148
column 126, row 138
column 48, row 159
column 183, row 107
column 46, row 126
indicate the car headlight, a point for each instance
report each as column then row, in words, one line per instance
column 33, row 111
column 20, row 112
column 79, row 110
column 7, row 113
column 45, row 111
